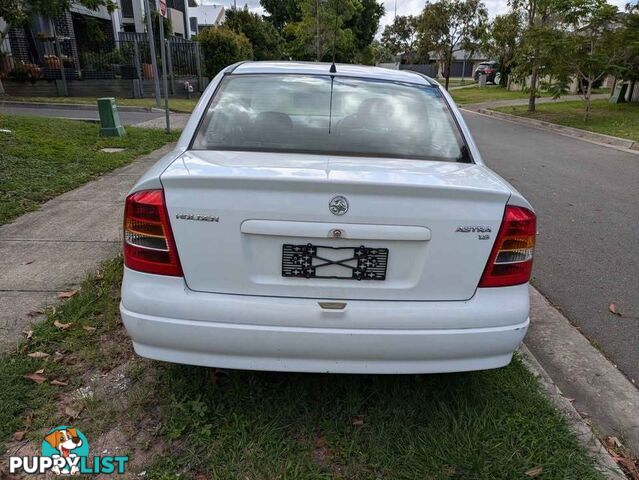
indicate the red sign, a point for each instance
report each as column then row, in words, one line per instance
column 163, row 8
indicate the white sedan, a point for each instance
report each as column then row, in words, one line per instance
column 324, row 218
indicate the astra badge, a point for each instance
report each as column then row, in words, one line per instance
column 338, row 205
column 473, row 229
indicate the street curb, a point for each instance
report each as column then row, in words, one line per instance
column 74, row 106
column 577, row 425
column 623, row 144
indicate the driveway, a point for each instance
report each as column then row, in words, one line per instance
column 588, row 220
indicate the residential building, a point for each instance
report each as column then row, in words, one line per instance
column 463, row 64
column 206, row 14
column 130, row 17
column 81, row 29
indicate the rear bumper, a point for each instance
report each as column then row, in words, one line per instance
column 171, row 323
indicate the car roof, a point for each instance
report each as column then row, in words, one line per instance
column 342, row 70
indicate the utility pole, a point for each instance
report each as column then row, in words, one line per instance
column 317, row 35
column 154, row 61
column 165, row 81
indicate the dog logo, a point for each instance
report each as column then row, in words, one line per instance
column 65, row 451
column 67, row 443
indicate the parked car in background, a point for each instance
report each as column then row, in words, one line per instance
column 490, row 69
column 326, row 219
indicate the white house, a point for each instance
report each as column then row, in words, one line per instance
column 206, row 14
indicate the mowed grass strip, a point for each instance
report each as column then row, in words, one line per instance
column 75, row 344
column 485, row 425
column 44, row 157
column 618, row 120
column 240, row 424
column 178, row 105
column 470, row 95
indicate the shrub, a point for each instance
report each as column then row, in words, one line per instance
column 221, row 47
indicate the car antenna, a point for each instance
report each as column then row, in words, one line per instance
column 333, row 68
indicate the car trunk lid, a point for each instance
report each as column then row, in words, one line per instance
column 235, row 215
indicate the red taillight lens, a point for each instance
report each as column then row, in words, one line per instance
column 148, row 241
column 510, row 261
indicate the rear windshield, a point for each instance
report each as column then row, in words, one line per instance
column 330, row 115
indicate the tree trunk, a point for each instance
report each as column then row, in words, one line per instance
column 533, row 90
column 449, row 63
column 587, row 94
column 2, row 92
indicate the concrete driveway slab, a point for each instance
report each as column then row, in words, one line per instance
column 103, row 190
column 77, row 220
column 49, row 265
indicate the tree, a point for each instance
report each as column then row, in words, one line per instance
column 593, row 43
column 501, row 41
column 321, row 34
column 221, row 47
column 365, row 23
column 282, row 12
column 448, row 26
column 540, row 46
column 628, row 65
column 17, row 12
column 267, row 43
column 381, row 53
column 400, row 39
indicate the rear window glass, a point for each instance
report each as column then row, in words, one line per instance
column 320, row 114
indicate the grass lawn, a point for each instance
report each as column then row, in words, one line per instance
column 489, row 93
column 94, row 307
column 619, row 120
column 239, row 424
column 467, row 96
column 43, row 157
column 180, row 105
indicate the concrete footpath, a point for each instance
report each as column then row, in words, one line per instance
column 52, row 249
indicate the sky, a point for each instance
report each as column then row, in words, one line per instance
column 404, row 7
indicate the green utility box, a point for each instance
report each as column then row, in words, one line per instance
column 110, row 125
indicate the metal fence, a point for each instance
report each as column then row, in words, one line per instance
column 128, row 58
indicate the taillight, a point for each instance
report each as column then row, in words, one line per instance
column 510, row 261
column 148, row 241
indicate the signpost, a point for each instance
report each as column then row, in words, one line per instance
column 154, row 62
column 165, row 82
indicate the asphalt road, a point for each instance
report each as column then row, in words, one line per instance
column 587, row 202
column 127, row 118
